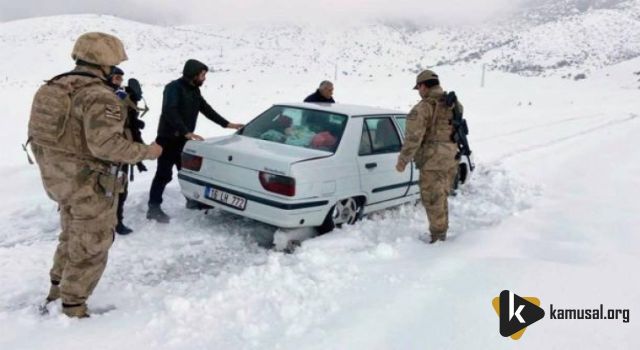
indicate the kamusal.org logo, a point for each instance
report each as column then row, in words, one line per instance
column 516, row 313
column 600, row 313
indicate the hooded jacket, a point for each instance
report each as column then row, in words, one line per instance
column 181, row 103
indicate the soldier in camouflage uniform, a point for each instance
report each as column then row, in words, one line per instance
column 77, row 139
column 428, row 142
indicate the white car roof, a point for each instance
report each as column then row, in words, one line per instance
column 340, row 108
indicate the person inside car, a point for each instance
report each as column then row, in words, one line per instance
column 385, row 136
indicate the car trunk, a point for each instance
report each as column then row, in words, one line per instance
column 236, row 160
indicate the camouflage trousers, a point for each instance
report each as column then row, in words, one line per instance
column 81, row 255
column 435, row 186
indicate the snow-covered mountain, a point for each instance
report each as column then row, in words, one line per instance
column 550, row 212
column 541, row 11
column 571, row 35
column 554, row 37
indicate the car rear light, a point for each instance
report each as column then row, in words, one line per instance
column 191, row 162
column 283, row 185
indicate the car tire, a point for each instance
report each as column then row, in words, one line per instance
column 346, row 211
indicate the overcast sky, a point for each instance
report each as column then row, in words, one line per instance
column 242, row 11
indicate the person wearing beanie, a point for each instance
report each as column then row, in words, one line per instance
column 181, row 104
column 115, row 79
column 129, row 95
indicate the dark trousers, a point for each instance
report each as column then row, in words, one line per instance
column 121, row 199
column 171, row 156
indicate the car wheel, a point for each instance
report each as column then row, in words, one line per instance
column 346, row 211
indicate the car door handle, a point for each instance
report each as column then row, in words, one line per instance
column 371, row 165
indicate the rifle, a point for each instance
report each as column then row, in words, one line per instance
column 460, row 129
column 135, row 124
column 145, row 109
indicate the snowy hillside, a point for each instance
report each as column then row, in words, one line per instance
column 568, row 36
column 551, row 211
column 590, row 39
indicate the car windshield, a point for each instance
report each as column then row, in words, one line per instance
column 298, row 127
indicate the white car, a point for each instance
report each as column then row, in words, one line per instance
column 305, row 165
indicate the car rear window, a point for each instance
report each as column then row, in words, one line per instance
column 298, row 127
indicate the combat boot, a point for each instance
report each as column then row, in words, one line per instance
column 156, row 213
column 54, row 292
column 121, row 229
column 75, row 310
column 435, row 237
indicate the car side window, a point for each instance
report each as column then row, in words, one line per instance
column 379, row 135
column 365, row 142
column 402, row 123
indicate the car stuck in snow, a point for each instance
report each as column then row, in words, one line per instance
column 305, row 165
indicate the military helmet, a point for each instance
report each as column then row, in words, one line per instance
column 426, row 75
column 99, row 48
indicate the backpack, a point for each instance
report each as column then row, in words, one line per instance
column 51, row 111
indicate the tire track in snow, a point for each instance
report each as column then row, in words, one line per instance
column 556, row 141
column 535, row 127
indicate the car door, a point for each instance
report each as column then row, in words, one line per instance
column 377, row 156
column 401, row 123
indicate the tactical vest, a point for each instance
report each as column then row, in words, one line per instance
column 438, row 151
column 52, row 123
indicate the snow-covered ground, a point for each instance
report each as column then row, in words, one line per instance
column 551, row 211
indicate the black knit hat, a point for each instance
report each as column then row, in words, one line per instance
column 115, row 70
column 192, row 68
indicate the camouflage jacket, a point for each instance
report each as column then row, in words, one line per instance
column 97, row 140
column 428, row 134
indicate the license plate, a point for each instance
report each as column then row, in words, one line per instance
column 225, row 198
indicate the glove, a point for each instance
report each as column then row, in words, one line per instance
column 139, row 124
column 141, row 167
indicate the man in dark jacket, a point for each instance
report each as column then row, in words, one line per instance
column 181, row 104
column 324, row 94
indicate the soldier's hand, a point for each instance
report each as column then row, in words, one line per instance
column 193, row 137
column 155, row 150
column 235, row 126
column 400, row 166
